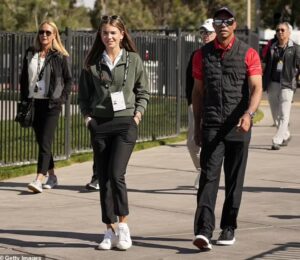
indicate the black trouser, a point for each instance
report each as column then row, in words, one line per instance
column 231, row 146
column 44, row 125
column 94, row 176
column 113, row 141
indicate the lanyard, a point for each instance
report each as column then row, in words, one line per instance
column 36, row 89
column 39, row 72
column 280, row 52
column 99, row 68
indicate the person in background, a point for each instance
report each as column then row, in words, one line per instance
column 207, row 34
column 113, row 96
column 282, row 64
column 226, row 94
column 46, row 78
column 94, row 183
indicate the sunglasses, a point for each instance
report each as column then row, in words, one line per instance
column 42, row 32
column 106, row 18
column 205, row 33
column 280, row 30
column 226, row 22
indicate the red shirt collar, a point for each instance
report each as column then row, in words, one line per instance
column 219, row 46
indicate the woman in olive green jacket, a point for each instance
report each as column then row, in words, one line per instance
column 113, row 96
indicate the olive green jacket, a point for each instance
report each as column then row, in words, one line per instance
column 97, row 83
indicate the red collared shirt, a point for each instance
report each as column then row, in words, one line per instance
column 252, row 60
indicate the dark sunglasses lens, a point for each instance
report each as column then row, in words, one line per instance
column 218, row 22
column 229, row 22
column 205, row 33
column 48, row 33
column 280, row 30
column 107, row 17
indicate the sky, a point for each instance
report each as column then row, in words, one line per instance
column 87, row 3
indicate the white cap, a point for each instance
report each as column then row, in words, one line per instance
column 208, row 25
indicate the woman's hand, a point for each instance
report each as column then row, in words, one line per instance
column 137, row 117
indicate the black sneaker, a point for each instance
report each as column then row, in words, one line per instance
column 226, row 237
column 93, row 185
column 275, row 147
column 202, row 242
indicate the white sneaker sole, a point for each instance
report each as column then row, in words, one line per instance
column 226, row 242
column 34, row 188
column 202, row 243
column 48, row 187
column 90, row 187
column 105, row 247
column 124, row 247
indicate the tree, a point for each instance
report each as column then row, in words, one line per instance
column 273, row 11
column 27, row 15
column 17, row 15
column 139, row 16
column 8, row 22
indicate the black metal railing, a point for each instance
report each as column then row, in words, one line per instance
column 165, row 54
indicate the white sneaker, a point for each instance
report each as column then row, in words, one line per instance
column 35, row 186
column 51, row 182
column 109, row 241
column 202, row 242
column 196, row 184
column 125, row 241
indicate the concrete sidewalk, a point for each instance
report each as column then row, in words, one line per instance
column 64, row 223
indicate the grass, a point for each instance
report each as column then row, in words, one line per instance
column 18, row 144
column 15, row 171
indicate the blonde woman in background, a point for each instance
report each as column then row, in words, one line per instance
column 45, row 78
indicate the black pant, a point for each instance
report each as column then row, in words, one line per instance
column 44, row 125
column 113, row 141
column 94, row 176
column 231, row 146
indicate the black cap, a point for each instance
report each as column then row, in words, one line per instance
column 224, row 9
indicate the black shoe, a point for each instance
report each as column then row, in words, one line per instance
column 275, row 147
column 202, row 242
column 93, row 185
column 226, row 237
column 286, row 142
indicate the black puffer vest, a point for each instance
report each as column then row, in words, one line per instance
column 226, row 84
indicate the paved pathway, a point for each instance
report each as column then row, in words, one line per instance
column 64, row 223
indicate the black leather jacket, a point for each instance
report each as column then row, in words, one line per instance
column 58, row 77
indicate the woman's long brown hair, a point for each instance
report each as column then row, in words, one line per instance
column 98, row 46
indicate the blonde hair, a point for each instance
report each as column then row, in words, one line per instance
column 56, row 43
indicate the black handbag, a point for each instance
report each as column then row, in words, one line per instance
column 25, row 113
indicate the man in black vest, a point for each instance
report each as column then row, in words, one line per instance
column 227, row 91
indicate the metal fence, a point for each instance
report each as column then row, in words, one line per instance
column 165, row 55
